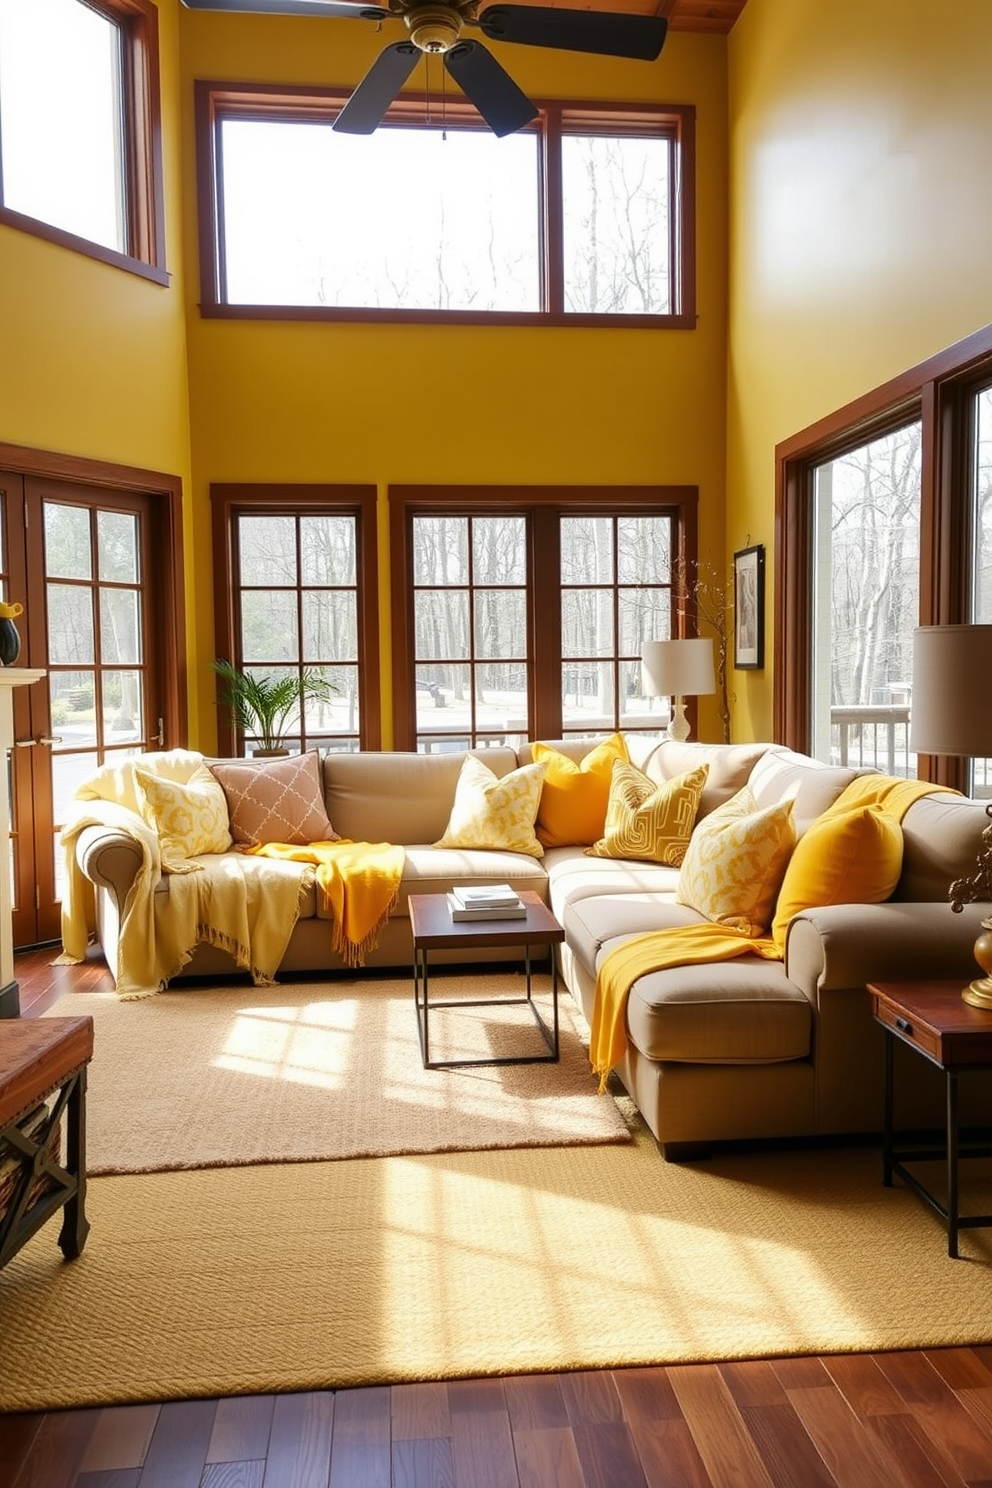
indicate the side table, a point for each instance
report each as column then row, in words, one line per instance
column 39, row 1057
column 932, row 1019
column 434, row 929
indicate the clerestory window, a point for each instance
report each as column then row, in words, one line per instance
column 79, row 128
column 585, row 217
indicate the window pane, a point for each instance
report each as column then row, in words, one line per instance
column 501, row 624
column 588, row 696
column 644, row 550
column 327, row 550
column 441, row 621
column 400, row 219
column 70, row 625
column 67, row 542
column 440, row 550
column 330, row 626
column 587, row 622
column 499, row 550
column 586, row 550
column 122, row 718
column 61, row 125
column 268, row 550
column 615, row 195
column 269, row 626
column 120, row 629
column 866, row 598
column 117, row 547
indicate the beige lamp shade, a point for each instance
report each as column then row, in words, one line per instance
column 678, row 668
column 952, row 690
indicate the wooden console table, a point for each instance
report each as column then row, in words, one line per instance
column 39, row 1058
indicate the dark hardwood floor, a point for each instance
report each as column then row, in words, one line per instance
column 900, row 1420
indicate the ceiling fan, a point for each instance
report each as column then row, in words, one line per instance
column 436, row 26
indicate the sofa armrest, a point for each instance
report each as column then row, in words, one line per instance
column 848, row 945
column 110, row 859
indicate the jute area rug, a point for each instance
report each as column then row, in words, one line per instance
column 302, row 1276
column 236, row 1075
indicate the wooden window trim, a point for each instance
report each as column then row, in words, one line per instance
column 229, row 500
column 144, row 192
column 544, row 504
column 938, row 392
column 215, row 101
column 171, row 662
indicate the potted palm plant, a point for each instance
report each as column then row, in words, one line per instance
column 263, row 705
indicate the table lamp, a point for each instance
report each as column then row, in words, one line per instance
column 952, row 714
column 678, row 669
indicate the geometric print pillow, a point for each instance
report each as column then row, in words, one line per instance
column 648, row 821
column 495, row 811
column 189, row 817
column 735, row 863
column 280, row 800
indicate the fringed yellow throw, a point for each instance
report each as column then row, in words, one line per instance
column 690, row 945
column 360, row 882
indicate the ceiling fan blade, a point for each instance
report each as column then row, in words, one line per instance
column 356, row 11
column 490, row 87
column 608, row 33
column 365, row 108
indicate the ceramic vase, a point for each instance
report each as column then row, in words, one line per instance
column 10, row 643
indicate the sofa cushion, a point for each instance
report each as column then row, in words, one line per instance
column 278, row 800
column 398, row 796
column 574, row 796
column 744, row 1011
column 189, row 816
column 729, row 766
column 735, row 863
column 493, row 811
column 611, row 917
column 783, row 775
column 647, row 820
column 847, row 857
column 942, row 836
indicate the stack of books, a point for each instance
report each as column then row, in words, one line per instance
column 486, row 902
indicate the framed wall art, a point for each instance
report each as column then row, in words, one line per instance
column 749, row 608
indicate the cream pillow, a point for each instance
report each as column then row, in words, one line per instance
column 649, row 821
column 495, row 811
column 735, row 863
column 189, row 817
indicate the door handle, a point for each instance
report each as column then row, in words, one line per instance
column 48, row 739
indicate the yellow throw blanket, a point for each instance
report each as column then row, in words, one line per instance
column 694, row 944
column 360, row 883
column 246, row 908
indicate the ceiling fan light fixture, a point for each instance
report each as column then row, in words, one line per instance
column 433, row 28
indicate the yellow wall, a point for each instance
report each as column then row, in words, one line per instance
column 308, row 402
column 94, row 359
column 861, row 219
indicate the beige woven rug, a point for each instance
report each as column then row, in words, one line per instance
column 312, row 1275
column 218, row 1076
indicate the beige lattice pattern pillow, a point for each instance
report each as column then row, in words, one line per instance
column 495, row 811
column 280, row 800
column 649, row 821
column 190, row 817
column 735, row 863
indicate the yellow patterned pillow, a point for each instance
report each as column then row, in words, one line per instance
column 736, row 861
column 575, row 796
column 647, row 820
column 189, row 817
column 495, row 811
column 847, row 857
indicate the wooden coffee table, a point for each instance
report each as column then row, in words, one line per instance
column 435, row 930
column 932, row 1019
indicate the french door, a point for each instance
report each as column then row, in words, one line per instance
column 79, row 559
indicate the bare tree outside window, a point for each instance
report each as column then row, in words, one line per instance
column 615, row 210
column 866, row 589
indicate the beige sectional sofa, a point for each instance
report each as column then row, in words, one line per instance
column 748, row 1048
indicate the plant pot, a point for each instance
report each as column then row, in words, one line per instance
column 10, row 643
column 269, row 753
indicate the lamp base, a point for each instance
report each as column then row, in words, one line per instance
column 678, row 728
column 979, row 992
